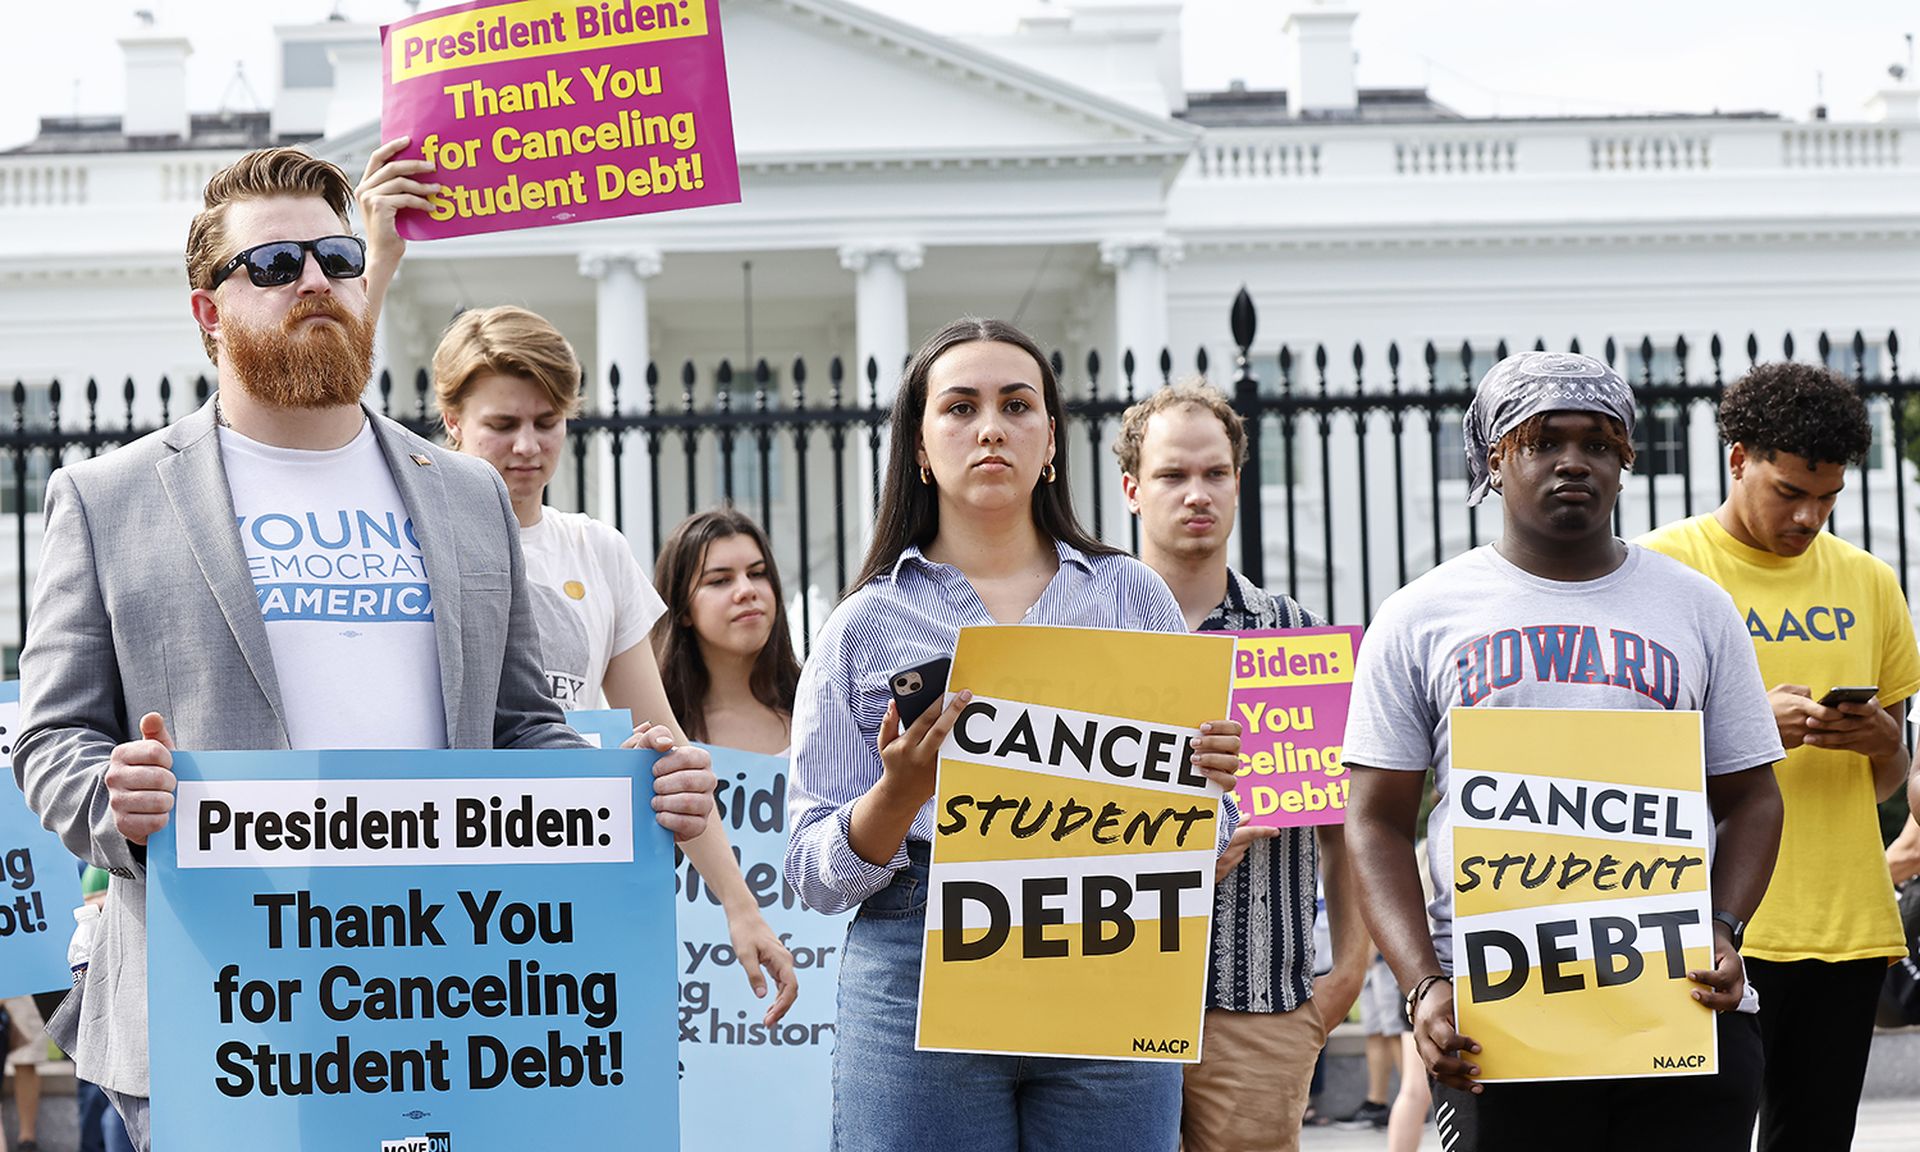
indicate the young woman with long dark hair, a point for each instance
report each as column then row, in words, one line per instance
column 975, row 526
column 725, row 652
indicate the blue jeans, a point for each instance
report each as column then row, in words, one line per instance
column 135, row 1114
column 888, row 1097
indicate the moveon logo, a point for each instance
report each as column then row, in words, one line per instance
column 431, row 1142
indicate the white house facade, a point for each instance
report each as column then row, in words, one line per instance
column 1063, row 175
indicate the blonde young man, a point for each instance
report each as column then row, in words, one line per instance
column 186, row 595
column 1267, row 1017
column 1822, row 614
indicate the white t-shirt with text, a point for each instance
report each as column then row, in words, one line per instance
column 342, row 587
column 1478, row 632
column 591, row 602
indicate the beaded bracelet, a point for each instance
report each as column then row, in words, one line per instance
column 1419, row 993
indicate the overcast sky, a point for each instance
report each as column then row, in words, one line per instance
column 1484, row 57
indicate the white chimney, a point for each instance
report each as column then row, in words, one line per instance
column 313, row 90
column 1154, row 21
column 357, row 83
column 1320, row 41
column 156, row 82
column 1902, row 103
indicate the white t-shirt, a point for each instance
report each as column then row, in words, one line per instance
column 343, row 590
column 1478, row 632
column 591, row 602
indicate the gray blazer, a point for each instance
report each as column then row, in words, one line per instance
column 144, row 604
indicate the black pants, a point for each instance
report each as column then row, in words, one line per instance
column 1816, row 1022
column 1637, row 1114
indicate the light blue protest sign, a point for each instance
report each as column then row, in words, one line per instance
column 412, row 952
column 746, row 1084
column 39, row 882
column 606, row 727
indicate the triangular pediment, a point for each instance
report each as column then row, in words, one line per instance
column 827, row 82
column 816, row 79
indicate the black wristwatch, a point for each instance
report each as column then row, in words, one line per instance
column 1736, row 926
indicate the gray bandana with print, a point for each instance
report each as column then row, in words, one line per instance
column 1521, row 387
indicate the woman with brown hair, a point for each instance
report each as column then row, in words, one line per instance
column 976, row 526
column 725, row 653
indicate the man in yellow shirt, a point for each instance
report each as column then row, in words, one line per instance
column 1823, row 615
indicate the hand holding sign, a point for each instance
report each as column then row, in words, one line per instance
column 1440, row 1045
column 1216, row 752
column 683, row 782
column 1725, row 982
column 388, row 186
column 140, row 780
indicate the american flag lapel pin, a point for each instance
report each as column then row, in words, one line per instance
column 421, row 458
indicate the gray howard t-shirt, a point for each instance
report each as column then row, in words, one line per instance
column 1477, row 632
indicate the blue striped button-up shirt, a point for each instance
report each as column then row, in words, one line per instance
column 904, row 618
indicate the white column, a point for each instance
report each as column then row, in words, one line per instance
column 881, row 335
column 397, row 349
column 1140, row 266
column 880, row 308
column 621, row 339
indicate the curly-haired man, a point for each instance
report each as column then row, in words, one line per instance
column 1823, row 615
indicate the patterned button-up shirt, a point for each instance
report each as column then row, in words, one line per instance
column 1263, row 909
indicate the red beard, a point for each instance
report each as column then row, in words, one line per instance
column 304, row 365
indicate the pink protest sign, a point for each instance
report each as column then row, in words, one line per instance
column 1290, row 693
column 539, row 112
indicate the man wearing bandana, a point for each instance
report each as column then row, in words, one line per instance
column 1559, row 613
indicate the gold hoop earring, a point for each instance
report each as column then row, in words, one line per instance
column 926, row 477
column 1048, row 474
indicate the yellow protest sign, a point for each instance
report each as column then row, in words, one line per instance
column 1580, row 892
column 1071, row 882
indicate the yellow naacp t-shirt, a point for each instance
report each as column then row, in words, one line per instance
column 1833, row 616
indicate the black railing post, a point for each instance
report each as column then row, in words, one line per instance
column 653, row 453
column 689, row 436
column 20, row 500
column 724, row 396
column 1680, row 348
column 93, row 417
column 801, row 430
column 763, row 441
column 1714, row 352
column 1133, row 522
column 1287, row 426
column 1900, row 398
column 618, row 436
column 876, row 421
column 1396, row 423
column 1360, row 417
column 1324, row 420
column 837, row 444
column 1093, row 442
column 1246, row 397
column 1651, row 413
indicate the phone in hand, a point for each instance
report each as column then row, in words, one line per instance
column 916, row 689
column 1850, row 694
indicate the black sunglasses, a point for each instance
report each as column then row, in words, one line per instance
column 280, row 262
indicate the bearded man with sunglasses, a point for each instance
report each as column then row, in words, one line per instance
column 282, row 569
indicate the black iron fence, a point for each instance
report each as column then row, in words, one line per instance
column 1354, row 483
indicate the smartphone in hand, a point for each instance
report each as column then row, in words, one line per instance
column 917, row 688
column 1850, row 694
